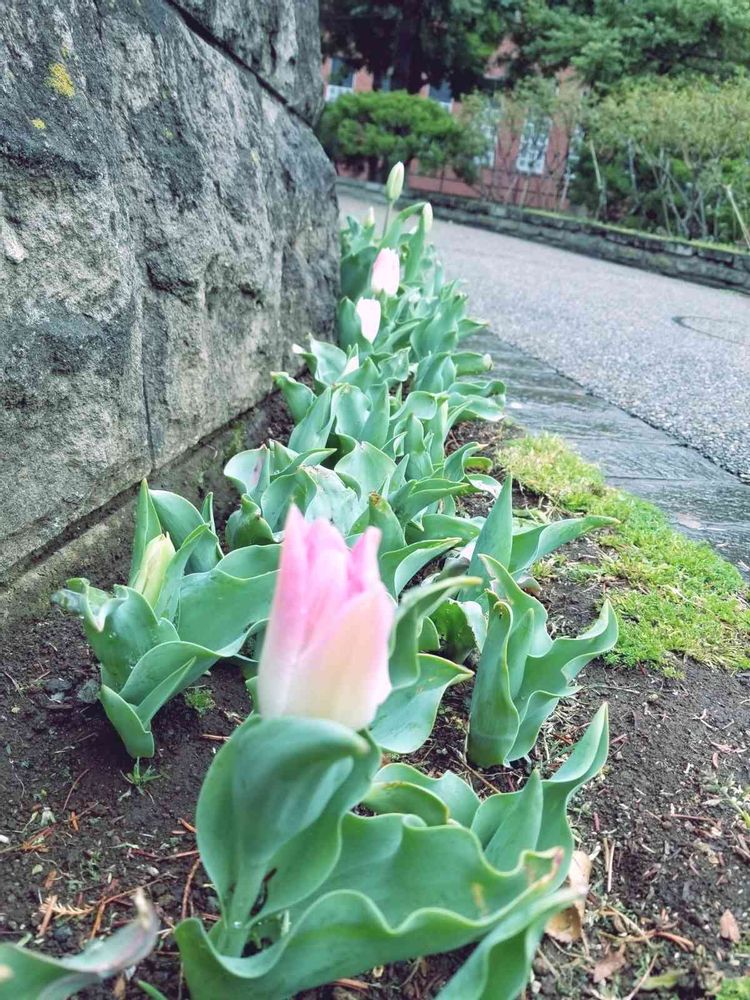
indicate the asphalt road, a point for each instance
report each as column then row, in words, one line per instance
column 671, row 352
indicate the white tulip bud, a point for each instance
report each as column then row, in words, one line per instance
column 150, row 576
column 395, row 183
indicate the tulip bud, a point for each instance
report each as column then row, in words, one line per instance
column 386, row 272
column 150, row 576
column 368, row 311
column 395, row 183
column 427, row 217
column 325, row 653
column 352, row 365
column 370, row 217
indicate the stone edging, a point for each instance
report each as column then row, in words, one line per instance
column 692, row 262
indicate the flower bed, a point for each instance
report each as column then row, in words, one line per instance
column 331, row 851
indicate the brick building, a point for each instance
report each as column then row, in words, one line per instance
column 530, row 164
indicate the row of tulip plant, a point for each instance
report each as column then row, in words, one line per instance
column 312, row 596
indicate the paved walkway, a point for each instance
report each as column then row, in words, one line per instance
column 608, row 327
column 672, row 352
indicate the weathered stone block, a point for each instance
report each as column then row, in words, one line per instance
column 167, row 229
column 277, row 41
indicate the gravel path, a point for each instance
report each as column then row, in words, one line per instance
column 671, row 352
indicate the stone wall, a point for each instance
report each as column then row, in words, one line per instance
column 697, row 262
column 167, row 230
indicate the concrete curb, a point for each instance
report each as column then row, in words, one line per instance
column 699, row 263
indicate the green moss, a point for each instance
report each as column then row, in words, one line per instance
column 735, row 989
column 679, row 598
column 200, row 699
column 38, row 123
column 59, row 80
column 632, row 231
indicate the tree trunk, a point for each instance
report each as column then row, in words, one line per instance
column 407, row 57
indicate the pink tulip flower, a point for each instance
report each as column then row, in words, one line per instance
column 386, row 272
column 368, row 311
column 325, row 653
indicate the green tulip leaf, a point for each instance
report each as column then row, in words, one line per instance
column 179, row 518
column 272, row 781
column 402, row 788
column 405, row 719
column 134, row 733
column 147, row 527
column 120, row 629
column 505, row 822
column 249, row 471
column 29, row 975
column 378, row 905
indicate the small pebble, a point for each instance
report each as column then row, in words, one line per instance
column 57, row 685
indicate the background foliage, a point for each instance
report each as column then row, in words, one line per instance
column 417, row 40
column 372, row 131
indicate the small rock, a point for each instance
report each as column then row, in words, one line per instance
column 62, row 933
column 88, row 692
column 57, row 685
column 12, row 246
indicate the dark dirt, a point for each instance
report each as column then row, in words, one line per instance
column 672, row 851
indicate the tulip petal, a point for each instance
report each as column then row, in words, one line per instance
column 364, row 570
column 344, row 677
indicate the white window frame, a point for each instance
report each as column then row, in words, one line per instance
column 575, row 145
column 448, row 105
column 491, row 131
column 533, row 146
column 335, row 90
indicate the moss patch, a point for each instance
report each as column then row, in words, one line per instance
column 38, row 123
column 735, row 989
column 674, row 597
column 200, row 699
column 60, row 81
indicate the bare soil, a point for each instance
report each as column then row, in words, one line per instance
column 665, row 824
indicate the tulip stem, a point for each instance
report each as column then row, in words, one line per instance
column 234, row 931
column 387, row 217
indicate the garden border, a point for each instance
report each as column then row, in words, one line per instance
column 696, row 262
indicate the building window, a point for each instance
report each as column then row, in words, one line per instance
column 532, row 149
column 574, row 153
column 340, row 80
column 487, row 159
column 443, row 95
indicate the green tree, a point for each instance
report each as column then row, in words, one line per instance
column 376, row 129
column 609, row 41
column 417, row 41
column 673, row 155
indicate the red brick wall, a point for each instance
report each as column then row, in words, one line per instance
column 503, row 181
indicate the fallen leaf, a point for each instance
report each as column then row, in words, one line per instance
column 609, row 965
column 728, row 927
column 567, row 926
column 666, row 981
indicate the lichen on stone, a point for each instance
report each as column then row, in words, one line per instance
column 38, row 123
column 59, row 80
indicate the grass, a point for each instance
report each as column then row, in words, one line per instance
column 200, row 699
column 674, row 597
column 735, row 989
column 140, row 779
column 644, row 233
